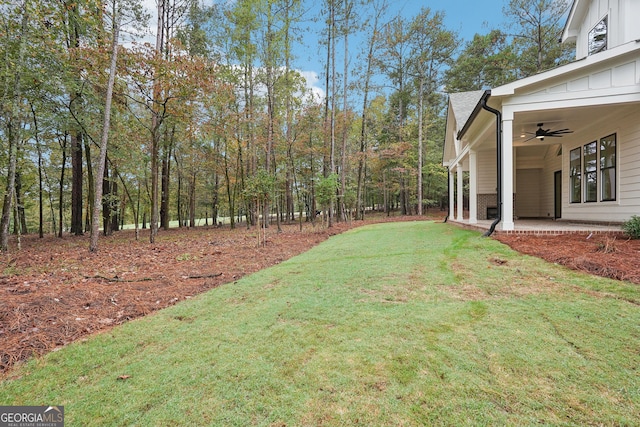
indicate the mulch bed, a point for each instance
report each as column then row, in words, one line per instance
column 607, row 255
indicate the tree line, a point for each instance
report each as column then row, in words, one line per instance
column 213, row 118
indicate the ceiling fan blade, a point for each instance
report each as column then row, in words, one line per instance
column 527, row 140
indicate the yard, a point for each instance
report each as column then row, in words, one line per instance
column 405, row 323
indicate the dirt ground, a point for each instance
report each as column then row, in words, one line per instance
column 53, row 291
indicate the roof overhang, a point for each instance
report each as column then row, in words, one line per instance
column 627, row 49
column 576, row 15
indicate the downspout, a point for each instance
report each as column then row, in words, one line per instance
column 499, row 159
column 448, row 195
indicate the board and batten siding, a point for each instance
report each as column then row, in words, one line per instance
column 622, row 23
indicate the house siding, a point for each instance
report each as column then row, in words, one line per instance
column 623, row 25
column 528, row 183
column 627, row 202
column 487, row 182
column 552, row 164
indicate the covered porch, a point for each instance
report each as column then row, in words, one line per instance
column 560, row 147
column 537, row 176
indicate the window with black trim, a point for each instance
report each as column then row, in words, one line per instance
column 575, row 168
column 598, row 37
column 608, row 168
column 591, row 172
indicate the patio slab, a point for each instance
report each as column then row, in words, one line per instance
column 544, row 226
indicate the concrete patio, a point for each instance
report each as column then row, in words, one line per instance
column 543, row 226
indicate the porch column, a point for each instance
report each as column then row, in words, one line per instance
column 473, row 188
column 452, row 193
column 459, row 189
column 507, row 172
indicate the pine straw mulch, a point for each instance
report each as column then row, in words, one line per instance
column 53, row 291
column 608, row 255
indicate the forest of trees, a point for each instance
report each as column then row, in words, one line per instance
column 213, row 118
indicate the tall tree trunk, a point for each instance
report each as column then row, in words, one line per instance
column 36, row 135
column 21, row 219
column 332, row 122
column 76, row 184
column 106, row 203
column 90, row 187
column 345, row 131
column 63, row 168
column 166, row 178
column 13, row 131
column 230, row 197
column 156, row 122
column 420, row 143
column 192, row 200
column 75, row 133
column 362, row 158
column 214, row 199
column 93, row 245
column 40, row 195
column 326, row 164
column 114, row 205
column 179, row 198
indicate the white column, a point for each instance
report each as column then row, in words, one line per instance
column 507, row 173
column 473, row 187
column 452, row 187
column 459, row 189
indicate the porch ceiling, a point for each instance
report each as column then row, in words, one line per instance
column 587, row 123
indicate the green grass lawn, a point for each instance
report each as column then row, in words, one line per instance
column 398, row 324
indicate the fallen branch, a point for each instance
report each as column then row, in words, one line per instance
column 204, row 276
column 117, row 279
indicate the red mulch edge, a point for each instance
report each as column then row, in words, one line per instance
column 606, row 255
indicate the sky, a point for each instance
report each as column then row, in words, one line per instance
column 467, row 17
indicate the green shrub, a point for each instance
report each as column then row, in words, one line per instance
column 632, row 227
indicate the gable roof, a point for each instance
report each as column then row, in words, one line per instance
column 462, row 105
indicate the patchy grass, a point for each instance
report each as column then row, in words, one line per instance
column 394, row 324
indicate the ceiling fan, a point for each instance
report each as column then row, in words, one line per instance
column 541, row 134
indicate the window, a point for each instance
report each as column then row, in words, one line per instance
column 608, row 168
column 574, row 175
column 591, row 172
column 598, row 37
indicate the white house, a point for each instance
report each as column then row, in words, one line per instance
column 567, row 141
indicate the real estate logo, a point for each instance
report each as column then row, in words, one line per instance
column 31, row 416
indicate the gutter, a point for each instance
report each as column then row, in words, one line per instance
column 498, row 114
column 448, row 195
